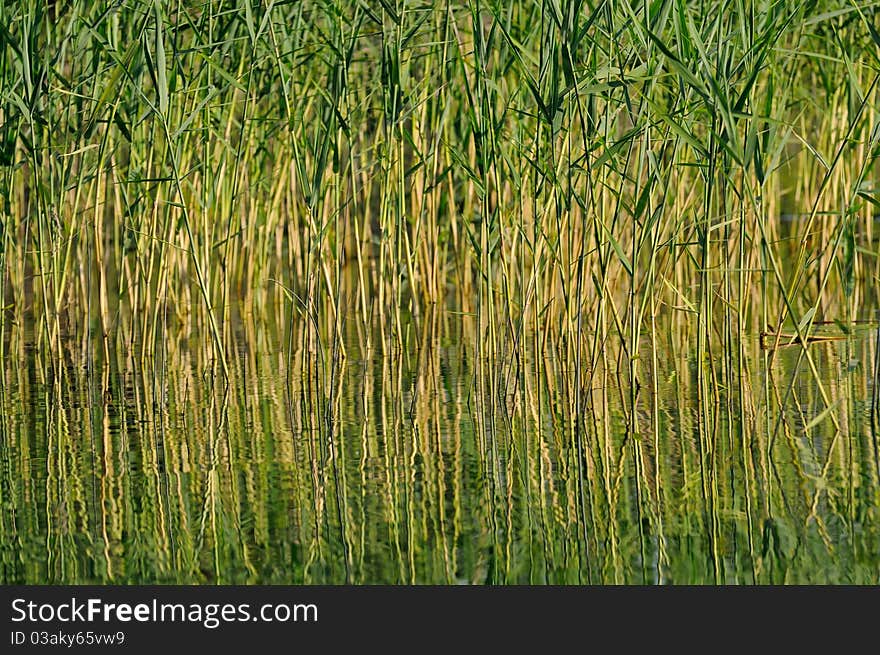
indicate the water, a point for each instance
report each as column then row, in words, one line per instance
column 416, row 462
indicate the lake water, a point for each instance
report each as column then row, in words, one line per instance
column 415, row 462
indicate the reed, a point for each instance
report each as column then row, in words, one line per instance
column 582, row 208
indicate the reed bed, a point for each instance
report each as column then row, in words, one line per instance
column 462, row 291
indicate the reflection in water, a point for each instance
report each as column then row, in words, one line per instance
column 420, row 464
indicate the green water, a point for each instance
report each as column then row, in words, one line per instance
column 417, row 463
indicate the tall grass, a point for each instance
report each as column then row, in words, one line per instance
column 581, row 168
column 589, row 193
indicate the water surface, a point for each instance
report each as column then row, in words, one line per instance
column 416, row 462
